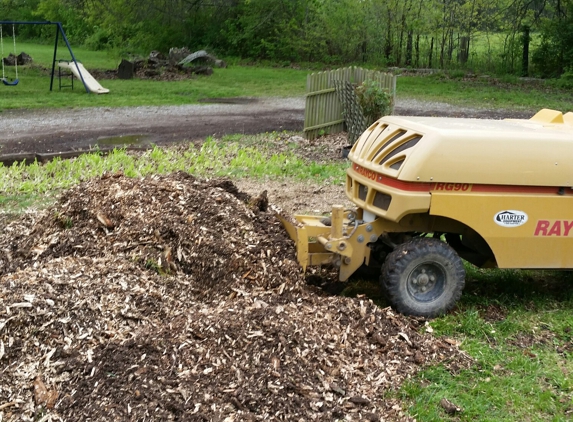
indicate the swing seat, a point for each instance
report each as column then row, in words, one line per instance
column 8, row 83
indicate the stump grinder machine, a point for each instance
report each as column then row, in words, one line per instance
column 430, row 192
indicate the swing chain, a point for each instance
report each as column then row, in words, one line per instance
column 15, row 55
column 2, row 53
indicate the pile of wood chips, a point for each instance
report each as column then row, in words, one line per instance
column 172, row 298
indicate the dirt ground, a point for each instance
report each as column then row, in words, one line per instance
column 61, row 130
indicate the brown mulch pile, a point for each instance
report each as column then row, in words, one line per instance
column 172, row 298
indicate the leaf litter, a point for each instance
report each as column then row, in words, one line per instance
column 174, row 298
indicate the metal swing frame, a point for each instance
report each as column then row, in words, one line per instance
column 59, row 32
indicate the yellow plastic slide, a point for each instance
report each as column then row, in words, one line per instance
column 89, row 80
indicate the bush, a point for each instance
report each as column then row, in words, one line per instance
column 457, row 74
column 565, row 81
column 101, row 39
column 374, row 100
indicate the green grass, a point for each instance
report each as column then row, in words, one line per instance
column 252, row 81
column 518, row 328
column 508, row 93
column 42, row 54
column 24, row 185
column 517, row 325
column 33, row 89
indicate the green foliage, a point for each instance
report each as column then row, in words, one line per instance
column 565, row 80
column 555, row 53
column 457, row 74
column 152, row 265
column 64, row 221
column 374, row 100
column 213, row 158
column 101, row 39
column 410, row 33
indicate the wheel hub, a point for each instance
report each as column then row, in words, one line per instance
column 426, row 282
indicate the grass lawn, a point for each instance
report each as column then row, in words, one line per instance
column 510, row 93
column 33, row 89
column 518, row 326
column 250, row 81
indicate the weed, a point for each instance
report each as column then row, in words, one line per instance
column 64, row 221
column 457, row 74
column 152, row 265
column 248, row 156
column 374, row 100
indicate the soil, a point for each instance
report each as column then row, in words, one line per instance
column 62, row 130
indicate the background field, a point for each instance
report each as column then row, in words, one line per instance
column 454, row 87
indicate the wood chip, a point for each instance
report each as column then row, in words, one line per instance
column 231, row 332
column 450, row 407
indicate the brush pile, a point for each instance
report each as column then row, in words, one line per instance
column 172, row 298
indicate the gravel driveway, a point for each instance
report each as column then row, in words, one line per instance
column 56, row 130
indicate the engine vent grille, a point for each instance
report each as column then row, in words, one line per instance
column 382, row 201
column 397, row 165
column 362, row 191
column 389, row 141
column 385, row 145
column 403, row 147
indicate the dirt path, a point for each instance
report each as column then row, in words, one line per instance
column 50, row 131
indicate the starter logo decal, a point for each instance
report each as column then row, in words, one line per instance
column 510, row 218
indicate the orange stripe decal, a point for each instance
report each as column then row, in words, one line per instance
column 455, row 187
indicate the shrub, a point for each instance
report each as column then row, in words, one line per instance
column 374, row 100
column 565, row 81
column 457, row 74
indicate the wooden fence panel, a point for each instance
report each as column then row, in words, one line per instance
column 323, row 110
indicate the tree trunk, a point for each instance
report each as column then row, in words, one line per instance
column 409, row 49
column 431, row 53
column 442, row 51
column 525, row 38
column 418, row 50
column 364, row 50
column 401, row 42
column 388, row 46
column 451, row 46
column 464, row 49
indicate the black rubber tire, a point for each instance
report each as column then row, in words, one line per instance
column 423, row 277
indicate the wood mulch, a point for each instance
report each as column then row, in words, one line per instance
column 173, row 298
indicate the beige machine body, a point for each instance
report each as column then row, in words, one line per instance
column 500, row 190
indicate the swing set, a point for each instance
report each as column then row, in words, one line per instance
column 59, row 31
